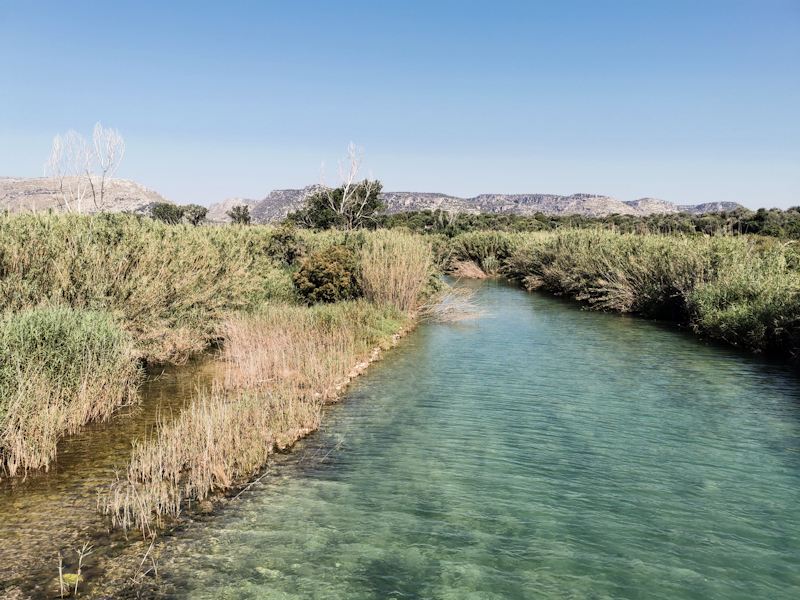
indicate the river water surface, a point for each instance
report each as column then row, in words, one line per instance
column 539, row 451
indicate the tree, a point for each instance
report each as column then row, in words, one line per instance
column 353, row 205
column 168, row 213
column 195, row 213
column 70, row 168
column 240, row 214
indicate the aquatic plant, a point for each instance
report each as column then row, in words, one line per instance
column 59, row 369
column 744, row 289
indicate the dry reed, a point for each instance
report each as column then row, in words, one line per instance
column 282, row 364
column 395, row 267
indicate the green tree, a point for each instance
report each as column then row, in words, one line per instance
column 195, row 213
column 353, row 205
column 240, row 214
column 348, row 207
column 170, row 214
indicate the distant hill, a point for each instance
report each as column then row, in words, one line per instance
column 217, row 212
column 22, row 195
column 18, row 195
column 281, row 202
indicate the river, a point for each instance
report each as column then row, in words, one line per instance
column 539, row 451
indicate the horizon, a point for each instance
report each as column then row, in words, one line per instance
column 688, row 102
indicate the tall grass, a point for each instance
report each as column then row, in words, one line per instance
column 282, row 364
column 394, row 268
column 170, row 285
column 59, row 369
column 743, row 290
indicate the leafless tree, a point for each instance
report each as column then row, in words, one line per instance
column 357, row 201
column 108, row 150
column 70, row 168
column 66, row 168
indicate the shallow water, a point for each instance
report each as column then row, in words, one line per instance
column 57, row 511
column 536, row 452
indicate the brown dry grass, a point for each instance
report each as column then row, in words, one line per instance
column 467, row 269
column 281, row 366
column 395, row 267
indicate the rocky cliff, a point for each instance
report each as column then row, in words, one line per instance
column 217, row 212
column 281, row 202
column 21, row 195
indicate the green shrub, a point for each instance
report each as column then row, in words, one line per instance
column 328, row 275
column 168, row 213
column 195, row 214
column 240, row 214
column 285, row 245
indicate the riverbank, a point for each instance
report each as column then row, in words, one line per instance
column 743, row 290
column 163, row 292
column 282, row 358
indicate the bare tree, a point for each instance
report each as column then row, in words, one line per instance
column 67, row 165
column 108, row 149
column 70, row 168
column 353, row 200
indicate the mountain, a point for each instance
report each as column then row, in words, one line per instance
column 218, row 212
column 18, row 195
column 21, row 195
column 697, row 209
column 527, row 205
column 281, row 202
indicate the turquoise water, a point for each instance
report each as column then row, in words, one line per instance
column 537, row 452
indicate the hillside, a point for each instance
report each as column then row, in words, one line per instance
column 18, row 195
column 281, row 202
column 21, row 195
column 217, row 212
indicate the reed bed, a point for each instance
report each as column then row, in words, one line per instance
column 171, row 285
column 282, row 364
column 59, row 369
column 395, row 268
column 744, row 290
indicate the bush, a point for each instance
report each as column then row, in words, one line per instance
column 328, row 275
column 285, row 245
column 195, row 214
column 240, row 214
column 168, row 213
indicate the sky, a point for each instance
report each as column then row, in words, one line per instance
column 687, row 101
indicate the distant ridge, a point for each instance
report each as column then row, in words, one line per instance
column 20, row 195
column 25, row 195
column 218, row 212
column 279, row 203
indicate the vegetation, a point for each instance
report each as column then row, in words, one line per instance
column 59, row 369
column 85, row 298
column 744, row 290
column 347, row 207
column 195, row 214
column 328, row 275
column 170, row 214
column 773, row 222
column 240, row 214
column 282, row 364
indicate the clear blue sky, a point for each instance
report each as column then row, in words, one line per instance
column 688, row 101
